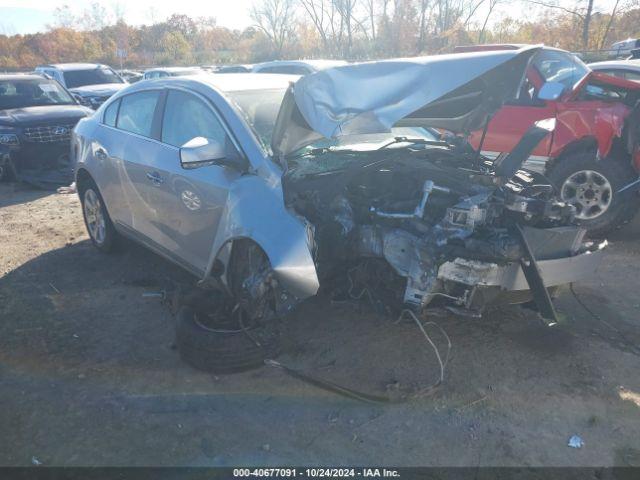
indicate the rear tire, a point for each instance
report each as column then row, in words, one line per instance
column 592, row 185
column 101, row 231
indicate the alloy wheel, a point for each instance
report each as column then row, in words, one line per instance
column 96, row 223
column 589, row 191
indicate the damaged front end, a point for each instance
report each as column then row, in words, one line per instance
column 449, row 235
column 419, row 220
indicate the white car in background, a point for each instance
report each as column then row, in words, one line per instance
column 296, row 67
column 624, row 47
column 627, row 69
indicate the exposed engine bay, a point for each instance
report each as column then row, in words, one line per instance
column 431, row 221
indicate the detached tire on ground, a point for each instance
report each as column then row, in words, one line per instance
column 592, row 185
column 224, row 349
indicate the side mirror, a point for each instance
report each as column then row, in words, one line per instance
column 551, row 91
column 200, row 151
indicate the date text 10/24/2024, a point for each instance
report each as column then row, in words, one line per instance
column 315, row 473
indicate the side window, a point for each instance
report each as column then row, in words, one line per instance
column 629, row 75
column 136, row 112
column 527, row 94
column 613, row 72
column 297, row 70
column 269, row 70
column 111, row 114
column 187, row 117
column 561, row 67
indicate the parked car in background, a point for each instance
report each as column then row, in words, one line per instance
column 91, row 83
column 624, row 47
column 37, row 116
column 171, row 72
column 593, row 153
column 295, row 67
column 131, row 76
column 263, row 185
column 234, row 68
column 627, row 69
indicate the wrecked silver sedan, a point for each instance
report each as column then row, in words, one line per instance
column 275, row 187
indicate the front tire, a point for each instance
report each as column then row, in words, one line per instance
column 592, row 187
column 96, row 218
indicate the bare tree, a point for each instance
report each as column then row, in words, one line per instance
column 64, row 17
column 612, row 17
column 320, row 13
column 346, row 10
column 422, row 10
column 369, row 6
column 276, row 19
column 583, row 14
column 95, row 17
column 492, row 6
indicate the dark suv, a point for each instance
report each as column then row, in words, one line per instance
column 37, row 116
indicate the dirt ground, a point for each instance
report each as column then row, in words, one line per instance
column 89, row 374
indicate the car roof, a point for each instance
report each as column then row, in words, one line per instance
column 316, row 64
column 22, row 76
column 622, row 64
column 172, row 69
column 226, row 83
column 73, row 66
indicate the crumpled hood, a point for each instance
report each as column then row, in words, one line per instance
column 98, row 90
column 457, row 92
column 43, row 114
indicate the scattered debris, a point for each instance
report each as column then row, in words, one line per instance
column 153, row 294
column 54, row 288
column 481, row 399
column 266, row 447
column 35, row 461
column 575, row 442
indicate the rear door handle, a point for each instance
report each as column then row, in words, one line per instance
column 155, row 178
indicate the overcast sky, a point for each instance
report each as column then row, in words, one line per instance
column 29, row 16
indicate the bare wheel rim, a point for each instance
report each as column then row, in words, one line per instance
column 589, row 191
column 95, row 218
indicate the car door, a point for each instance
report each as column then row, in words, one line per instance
column 187, row 203
column 108, row 151
column 508, row 125
column 511, row 122
column 139, row 121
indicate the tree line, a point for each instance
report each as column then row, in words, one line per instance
column 348, row 29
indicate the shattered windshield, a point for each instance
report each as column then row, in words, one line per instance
column 21, row 93
column 261, row 107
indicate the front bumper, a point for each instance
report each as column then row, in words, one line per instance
column 491, row 284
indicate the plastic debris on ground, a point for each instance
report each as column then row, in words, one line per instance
column 575, row 442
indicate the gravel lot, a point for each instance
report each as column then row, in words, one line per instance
column 89, row 374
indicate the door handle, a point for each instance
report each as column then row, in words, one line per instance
column 101, row 154
column 155, row 178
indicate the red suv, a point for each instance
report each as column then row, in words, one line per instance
column 592, row 154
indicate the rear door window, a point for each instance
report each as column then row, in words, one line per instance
column 136, row 112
